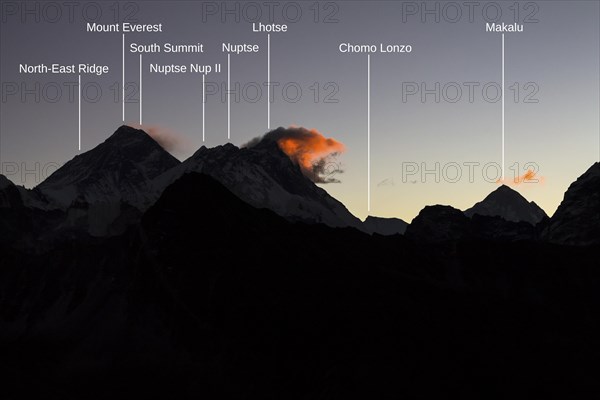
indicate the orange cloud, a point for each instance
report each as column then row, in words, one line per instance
column 309, row 149
column 528, row 177
column 166, row 138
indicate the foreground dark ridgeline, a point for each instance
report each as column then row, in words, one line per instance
column 384, row 226
column 458, row 307
column 577, row 220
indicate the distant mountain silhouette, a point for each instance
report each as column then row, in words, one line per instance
column 9, row 194
column 12, row 219
column 577, row 219
column 384, row 226
column 120, row 169
column 265, row 177
column 107, row 189
column 509, row 204
column 104, row 190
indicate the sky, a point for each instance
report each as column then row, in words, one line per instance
column 430, row 134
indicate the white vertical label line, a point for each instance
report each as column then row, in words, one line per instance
column 503, row 164
column 123, row 81
column 203, row 106
column 228, row 96
column 79, row 112
column 141, row 98
column 268, row 81
column 368, row 132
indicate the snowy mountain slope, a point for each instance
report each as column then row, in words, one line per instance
column 120, row 169
column 265, row 177
column 509, row 204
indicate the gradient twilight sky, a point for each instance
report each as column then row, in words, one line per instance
column 556, row 57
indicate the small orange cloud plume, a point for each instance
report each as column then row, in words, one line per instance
column 528, row 177
column 309, row 148
column 168, row 139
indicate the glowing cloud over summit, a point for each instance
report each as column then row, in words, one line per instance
column 309, row 149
